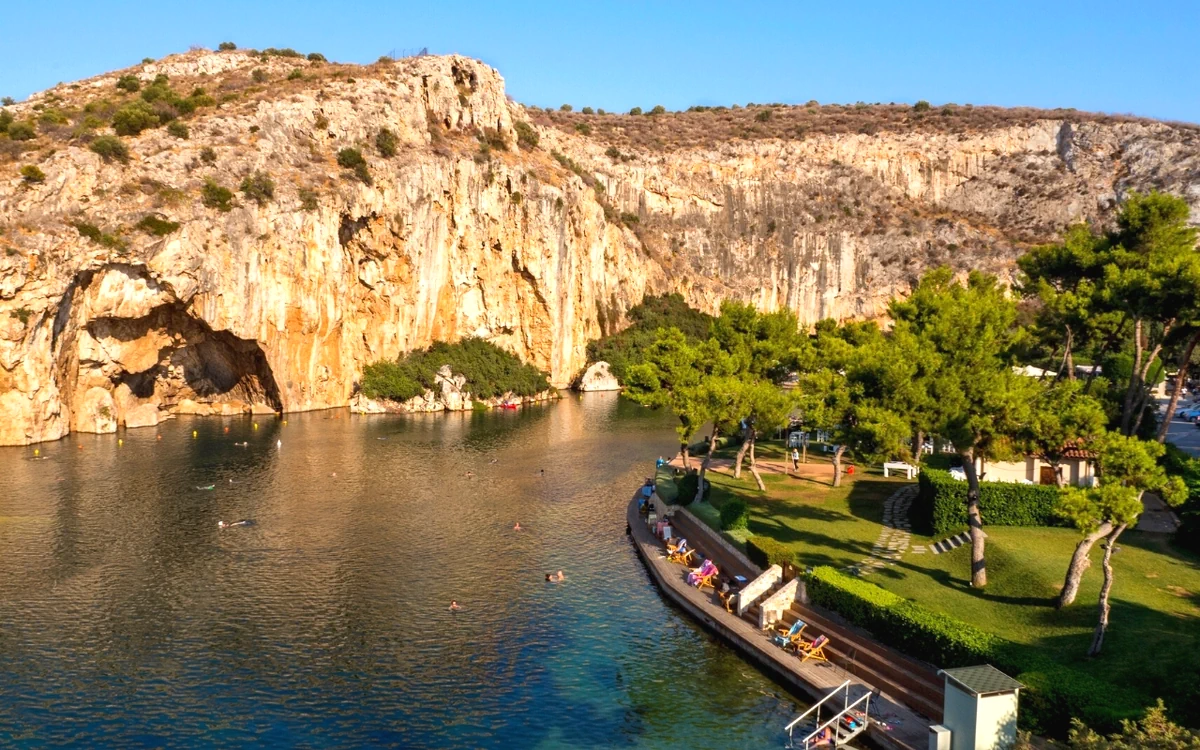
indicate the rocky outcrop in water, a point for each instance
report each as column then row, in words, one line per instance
column 278, row 305
column 451, row 394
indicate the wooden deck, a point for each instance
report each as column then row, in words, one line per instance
column 905, row 728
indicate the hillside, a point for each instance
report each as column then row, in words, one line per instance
column 276, row 296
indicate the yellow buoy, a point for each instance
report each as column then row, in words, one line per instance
column 194, row 433
column 37, row 452
column 256, row 425
column 285, row 423
column 120, row 441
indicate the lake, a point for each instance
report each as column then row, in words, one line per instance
column 128, row 618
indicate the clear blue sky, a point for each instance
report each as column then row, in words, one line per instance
column 1100, row 55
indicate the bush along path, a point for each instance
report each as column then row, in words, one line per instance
column 894, row 539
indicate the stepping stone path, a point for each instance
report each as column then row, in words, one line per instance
column 893, row 540
column 954, row 542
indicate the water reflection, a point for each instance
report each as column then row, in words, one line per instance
column 127, row 617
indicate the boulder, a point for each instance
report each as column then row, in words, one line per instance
column 146, row 415
column 96, row 411
column 360, row 404
column 597, row 378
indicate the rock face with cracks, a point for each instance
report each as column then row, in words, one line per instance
column 278, row 305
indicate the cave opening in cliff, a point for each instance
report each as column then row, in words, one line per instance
column 169, row 355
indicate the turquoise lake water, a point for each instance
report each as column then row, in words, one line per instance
column 127, row 618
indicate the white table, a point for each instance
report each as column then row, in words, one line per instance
column 899, row 466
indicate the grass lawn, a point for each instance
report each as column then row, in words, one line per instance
column 1153, row 645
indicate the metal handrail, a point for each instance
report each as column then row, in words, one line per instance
column 866, row 710
column 817, row 705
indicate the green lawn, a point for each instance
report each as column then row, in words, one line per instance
column 1153, row 644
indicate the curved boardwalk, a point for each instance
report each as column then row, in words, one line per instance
column 906, row 729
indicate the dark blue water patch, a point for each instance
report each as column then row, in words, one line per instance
column 128, row 618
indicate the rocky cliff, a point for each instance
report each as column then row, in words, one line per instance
column 468, row 228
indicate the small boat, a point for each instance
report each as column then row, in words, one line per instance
column 508, row 405
column 207, row 487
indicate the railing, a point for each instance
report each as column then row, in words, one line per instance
column 841, row 736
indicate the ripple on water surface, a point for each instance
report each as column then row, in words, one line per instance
column 128, row 618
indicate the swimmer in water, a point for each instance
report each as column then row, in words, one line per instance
column 454, row 605
column 560, row 576
column 243, row 522
column 470, row 474
column 517, row 526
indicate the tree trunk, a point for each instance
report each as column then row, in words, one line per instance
column 1080, row 562
column 918, row 445
column 804, row 450
column 1136, row 393
column 1184, row 361
column 1059, row 480
column 1127, row 405
column 974, row 521
column 712, row 446
column 1102, row 626
column 683, row 452
column 837, row 465
column 741, row 454
column 754, row 464
column 1069, row 359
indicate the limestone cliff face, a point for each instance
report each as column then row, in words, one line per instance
column 279, row 305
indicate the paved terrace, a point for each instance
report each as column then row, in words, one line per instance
column 901, row 684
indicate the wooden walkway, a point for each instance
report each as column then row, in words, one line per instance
column 898, row 681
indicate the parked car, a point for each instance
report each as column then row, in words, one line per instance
column 1188, row 413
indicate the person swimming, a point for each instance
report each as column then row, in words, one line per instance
column 454, row 605
column 559, row 576
column 517, row 526
column 230, row 525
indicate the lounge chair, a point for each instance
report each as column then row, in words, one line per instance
column 814, row 649
column 703, row 575
column 679, row 553
column 790, row 637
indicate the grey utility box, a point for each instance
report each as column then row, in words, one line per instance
column 939, row 737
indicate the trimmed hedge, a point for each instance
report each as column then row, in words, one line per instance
column 941, row 504
column 734, row 515
column 764, row 552
column 689, row 485
column 1054, row 693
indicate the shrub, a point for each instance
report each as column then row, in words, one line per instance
column 258, row 187
column 494, row 139
column 363, row 174
column 735, row 514
column 689, row 486
column 258, row 75
column 565, row 108
column 583, row 128
column 490, row 372
column 133, row 118
column 921, row 106
column 658, row 110
column 527, row 137
column 156, row 225
column 515, row 198
column 147, row 60
column 295, row 75
column 321, row 122
column 764, row 552
column 179, row 130
column 350, row 158
column 385, row 142
column 22, row 131
column 764, row 115
column 129, row 83
column 53, row 116
column 316, row 57
column 110, row 148
column 6, row 119
column 226, row 46
column 285, row 52
column 629, row 218
column 941, row 504
column 22, row 314
column 588, row 111
column 635, row 111
column 384, row 59
column 308, row 199
column 93, row 233
column 613, row 153
column 8, row 101
column 213, row 195
column 30, row 173
column 208, row 156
